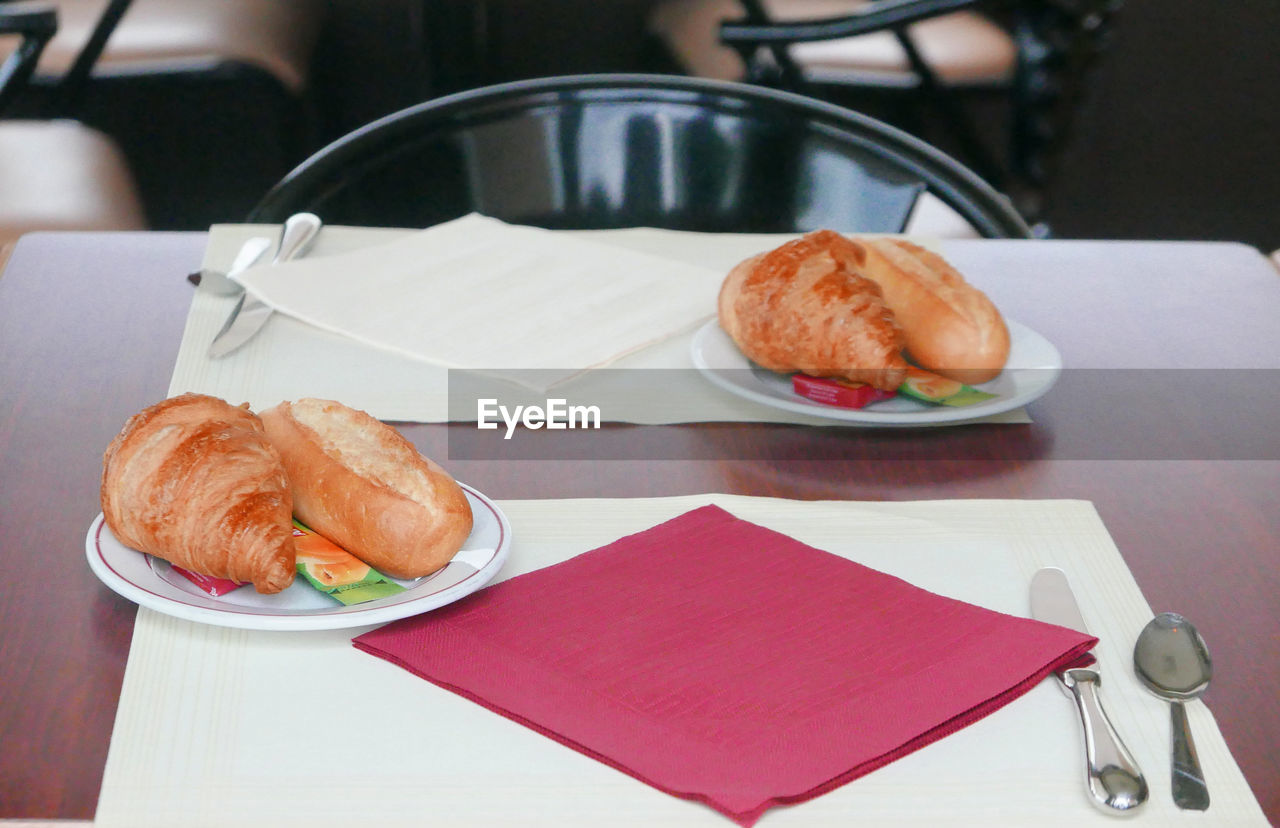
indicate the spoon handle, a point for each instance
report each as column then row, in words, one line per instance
column 1189, row 791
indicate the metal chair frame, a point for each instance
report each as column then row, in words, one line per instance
column 325, row 176
column 37, row 22
column 1057, row 41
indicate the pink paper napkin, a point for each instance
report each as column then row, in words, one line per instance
column 726, row 663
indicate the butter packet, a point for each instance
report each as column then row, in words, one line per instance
column 336, row 572
column 931, row 388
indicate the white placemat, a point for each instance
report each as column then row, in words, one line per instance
column 231, row 727
column 289, row 359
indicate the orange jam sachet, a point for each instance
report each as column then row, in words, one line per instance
column 336, row 572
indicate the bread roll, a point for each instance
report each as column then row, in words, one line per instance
column 194, row 481
column 951, row 327
column 362, row 485
column 806, row 306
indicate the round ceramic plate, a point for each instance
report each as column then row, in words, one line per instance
column 151, row 582
column 1033, row 367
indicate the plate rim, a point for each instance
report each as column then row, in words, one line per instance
column 339, row 617
column 862, row 417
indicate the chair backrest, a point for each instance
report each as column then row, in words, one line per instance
column 604, row 151
column 1057, row 43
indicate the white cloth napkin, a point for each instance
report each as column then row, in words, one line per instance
column 480, row 294
column 231, row 727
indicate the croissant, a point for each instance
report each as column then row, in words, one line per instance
column 805, row 306
column 193, row 480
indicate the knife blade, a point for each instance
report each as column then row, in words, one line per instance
column 250, row 313
column 1115, row 782
column 221, row 283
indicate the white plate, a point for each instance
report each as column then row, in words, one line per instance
column 152, row 583
column 1033, row 367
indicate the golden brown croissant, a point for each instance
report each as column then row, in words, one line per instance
column 806, row 306
column 194, row 480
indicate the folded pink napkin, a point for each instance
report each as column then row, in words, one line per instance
column 726, row 663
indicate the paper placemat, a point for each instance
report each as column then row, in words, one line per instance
column 219, row 726
column 289, row 359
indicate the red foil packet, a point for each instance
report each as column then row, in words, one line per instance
column 216, row 587
column 836, row 392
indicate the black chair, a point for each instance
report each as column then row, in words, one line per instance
column 211, row 100
column 55, row 174
column 997, row 81
column 608, row 151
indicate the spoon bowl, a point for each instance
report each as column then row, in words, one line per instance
column 1172, row 661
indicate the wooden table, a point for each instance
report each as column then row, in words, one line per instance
column 1188, row 487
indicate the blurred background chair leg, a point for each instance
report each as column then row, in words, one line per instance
column 994, row 84
column 210, row 101
column 54, row 174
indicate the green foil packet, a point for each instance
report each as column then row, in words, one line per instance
column 937, row 390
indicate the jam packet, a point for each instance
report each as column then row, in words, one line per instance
column 931, row 388
column 838, row 392
column 336, row 572
column 215, row 586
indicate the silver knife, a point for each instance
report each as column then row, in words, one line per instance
column 250, row 314
column 221, row 283
column 1114, row 780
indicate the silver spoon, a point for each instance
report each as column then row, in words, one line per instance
column 1171, row 659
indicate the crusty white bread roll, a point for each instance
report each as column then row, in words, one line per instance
column 951, row 327
column 361, row 484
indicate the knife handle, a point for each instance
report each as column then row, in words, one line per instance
column 1115, row 782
